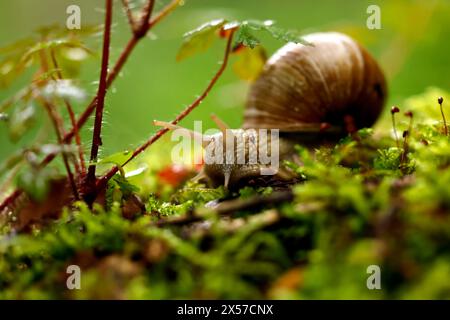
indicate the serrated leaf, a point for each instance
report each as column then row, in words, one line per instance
column 200, row 39
column 19, row 56
column 244, row 36
column 124, row 185
column 20, row 121
column 63, row 89
column 118, row 158
column 54, row 44
column 250, row 63
column 286, row 35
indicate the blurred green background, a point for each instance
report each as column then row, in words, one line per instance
column 412, row 47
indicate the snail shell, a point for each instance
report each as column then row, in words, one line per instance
column 303, row 87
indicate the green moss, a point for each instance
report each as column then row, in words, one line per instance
column 357, row 204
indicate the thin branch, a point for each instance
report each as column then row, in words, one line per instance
column 101, row 93
column 102, row 181
column 117, row 68
column 71, row 116
column 58, row 125
column 144, row 20
column 129, row 13
column 91, row 106
column 57, row 121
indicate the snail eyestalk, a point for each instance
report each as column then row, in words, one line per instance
column 395, row 110
column 220, row 124
column 440, row 101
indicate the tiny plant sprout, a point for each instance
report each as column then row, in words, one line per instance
column 409, row 114
column 395, row 110
column 440, row 101
column 404, row 154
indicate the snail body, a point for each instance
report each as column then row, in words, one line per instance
column 244, row 154
column 304, row 94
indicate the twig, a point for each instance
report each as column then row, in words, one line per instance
column 113, row 74
column 101, row 93
column 57, row 124
column 129, row 13
column 145, row 16
column 91, row 106
column 102, row 181
column 71, row 116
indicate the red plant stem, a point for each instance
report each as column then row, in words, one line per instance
column 101, row 93
column 57, row 121
column 129, row 13
column 163, row 13
column 91, row 106
column 103, row 180
column 146, row 12
column 58, row 124
column 73, row 120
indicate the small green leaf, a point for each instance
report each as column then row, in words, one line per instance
column 198, row 194
column 118, row 158
column 124, row 185
column 168, row 208
column 54, row 44
column 17, row 57
column 244, row 36
column 200, row 39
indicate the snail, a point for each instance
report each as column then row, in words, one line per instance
column 305, row 94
